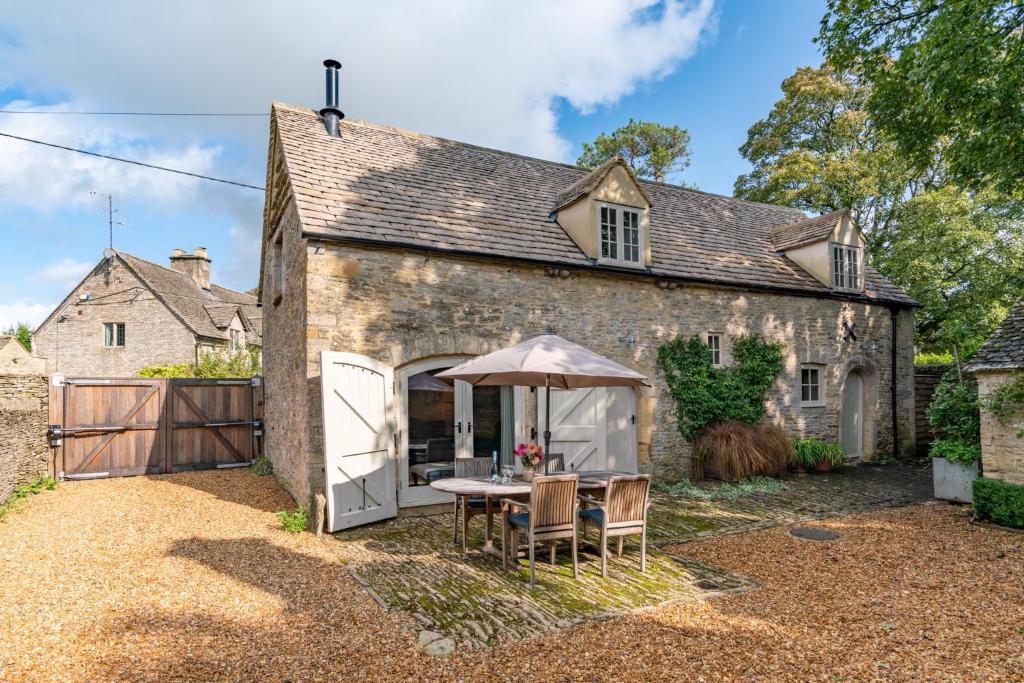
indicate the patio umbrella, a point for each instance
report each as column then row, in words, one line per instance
column 550, row 361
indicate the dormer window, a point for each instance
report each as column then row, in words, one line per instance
column 846, row 264
column 619, row 235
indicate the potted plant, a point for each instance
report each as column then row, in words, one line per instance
column 956, row 422
column 820, row 456
column 530, row 456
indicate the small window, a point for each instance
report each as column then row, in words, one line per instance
column 715, row 344
column 236, row 340
column 619, row 232
column 277, row 267
column 845, row 267
column 810, row 385
column 113, row 335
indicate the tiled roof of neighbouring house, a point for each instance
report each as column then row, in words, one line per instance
column 1004, row 350
column 207, row 313
column 380, row 185
column 806, row 231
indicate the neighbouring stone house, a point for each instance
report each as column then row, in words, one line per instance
column 15, row 360
column 1000, row 360
column 129, row 313
column 400, row 254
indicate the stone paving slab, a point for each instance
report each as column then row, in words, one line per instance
column 410, row 564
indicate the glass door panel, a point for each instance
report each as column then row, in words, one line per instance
column 486, row 421
column 432, row 429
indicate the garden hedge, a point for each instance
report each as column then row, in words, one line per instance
column 999, row 501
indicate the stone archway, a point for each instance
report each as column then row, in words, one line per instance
column 858, row 408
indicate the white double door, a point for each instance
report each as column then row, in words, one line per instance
column 594, row 429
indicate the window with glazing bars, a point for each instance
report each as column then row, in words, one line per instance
column 113, row 334
column 845, row 267
column 810, row 385
column 715, row 344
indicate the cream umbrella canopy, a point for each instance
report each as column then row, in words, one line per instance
column 547, row 361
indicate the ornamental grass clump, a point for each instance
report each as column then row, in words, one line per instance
column 810, row 453
column 734, row 450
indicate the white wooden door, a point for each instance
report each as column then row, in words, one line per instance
column 852, row 437
column 577, row 426
column 620, row 426
column 357, row 398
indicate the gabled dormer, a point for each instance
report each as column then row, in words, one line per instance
column 829, row 247
column 607, row 213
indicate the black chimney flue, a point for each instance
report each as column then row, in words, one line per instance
column 332, row 115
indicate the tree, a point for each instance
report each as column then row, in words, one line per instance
column 946, row 75
column 652, row 150
column 23, row 333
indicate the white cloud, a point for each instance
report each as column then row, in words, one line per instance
column 64, row 274
column 22, row 312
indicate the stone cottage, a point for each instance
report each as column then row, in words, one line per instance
column 390, row 255
column 129, row 313
column 15, row 360
column 1000, row 360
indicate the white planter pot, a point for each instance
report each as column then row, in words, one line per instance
column 954, row 481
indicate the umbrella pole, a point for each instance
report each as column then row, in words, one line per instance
column 547, row 420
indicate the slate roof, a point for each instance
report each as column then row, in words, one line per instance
column 592, row 180
column 806, row 231
column 1004, row 350
column 381, row 185
column 205, row 313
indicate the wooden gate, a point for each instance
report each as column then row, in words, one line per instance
column 121, row 427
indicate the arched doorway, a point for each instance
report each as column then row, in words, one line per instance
column 852, row 436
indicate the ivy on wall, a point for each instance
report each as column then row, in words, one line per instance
column 706, row 395
column 1006, row 402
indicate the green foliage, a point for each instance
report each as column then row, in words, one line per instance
column 25, row 490
column 933, row 358
column 262, row 467
column 705, row 395
column 810, row 452
column 212, row 364
column 651, row 150
column 953, row 413
column 741, row 489
column 22, row 332
column 294, row 522
column 999, row 501
column 955, row 450
column 948, row 78
column 1006, row 402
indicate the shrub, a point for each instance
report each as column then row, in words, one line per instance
column 809, row 452
column 955, row 450
column 705, row 395
column 736, row 450
column 932, row 358
column 999, row 501
column 294, row 522
column 262, row 467
column 953, row 413
column 212, row 364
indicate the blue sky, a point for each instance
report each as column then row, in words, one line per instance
column 533, row 77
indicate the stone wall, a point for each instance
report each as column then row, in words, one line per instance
column 1002, row 451
column 23, row 420
column 75, row 347
column 398, row 306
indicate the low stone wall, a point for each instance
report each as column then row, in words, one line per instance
column 1002, row 451
column 24, row 403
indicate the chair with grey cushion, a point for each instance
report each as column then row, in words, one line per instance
column 471, row 506
column 549, row 517
column 623, row 512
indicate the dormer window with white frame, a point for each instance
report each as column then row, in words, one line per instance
column 620, row 235
column 846, row 267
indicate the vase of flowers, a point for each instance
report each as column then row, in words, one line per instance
column 530, row 455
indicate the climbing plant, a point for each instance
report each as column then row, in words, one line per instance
column 1006, row 402
column 705, row 394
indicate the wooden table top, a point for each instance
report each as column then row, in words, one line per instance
column 482, row 486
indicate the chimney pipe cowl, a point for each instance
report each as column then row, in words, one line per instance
column 331, row 114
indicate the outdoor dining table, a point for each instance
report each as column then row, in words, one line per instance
column 483, row 487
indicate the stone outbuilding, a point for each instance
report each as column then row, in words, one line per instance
column 998, row 361
column 129, row 313
column 15, row 360
column 389, row 256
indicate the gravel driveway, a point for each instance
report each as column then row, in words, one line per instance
column 188, row 577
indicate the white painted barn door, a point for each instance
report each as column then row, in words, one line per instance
column 577, row 426
column 358, row 401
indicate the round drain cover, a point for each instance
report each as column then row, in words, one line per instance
column 813, row 533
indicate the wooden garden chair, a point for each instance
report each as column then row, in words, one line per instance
column 556, row 463
column 548, row 517
column 471, row 506
column 623, row 512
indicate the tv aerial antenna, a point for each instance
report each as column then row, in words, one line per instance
column 112, row 220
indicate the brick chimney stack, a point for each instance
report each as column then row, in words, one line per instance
column 196, row 265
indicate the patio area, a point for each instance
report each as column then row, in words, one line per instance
column 410, row 565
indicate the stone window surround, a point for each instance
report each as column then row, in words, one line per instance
column 642, row 231
column 719, row 351
column 820, row 369
column 277, row 274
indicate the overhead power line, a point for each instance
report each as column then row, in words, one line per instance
column 122, row 113
column 131, row 161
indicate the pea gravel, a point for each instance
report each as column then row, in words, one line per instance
column 189, row 577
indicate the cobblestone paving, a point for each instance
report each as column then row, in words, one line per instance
column 410, row 564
